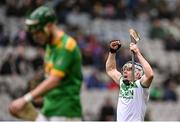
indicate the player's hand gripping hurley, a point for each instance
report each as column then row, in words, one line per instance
column 134, row 39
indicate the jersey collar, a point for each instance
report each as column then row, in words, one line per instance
column 56, row 41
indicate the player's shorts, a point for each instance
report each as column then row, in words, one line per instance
column 41, row 118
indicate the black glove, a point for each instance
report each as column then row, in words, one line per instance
column 114, row 45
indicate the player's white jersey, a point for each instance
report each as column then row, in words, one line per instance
column 132, row 102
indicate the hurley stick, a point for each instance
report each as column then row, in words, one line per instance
column 134, row 39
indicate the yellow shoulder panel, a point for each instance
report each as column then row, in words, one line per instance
column 71, row 43
column 57, row 73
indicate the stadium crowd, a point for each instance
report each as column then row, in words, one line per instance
column 163, row 16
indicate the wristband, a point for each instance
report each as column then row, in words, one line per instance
column 112, row 50
column 28, row 97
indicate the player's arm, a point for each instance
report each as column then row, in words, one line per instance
column 148, row 72
column 60, row 66
column 51, row 82
column 111, row 69
column 17, row 105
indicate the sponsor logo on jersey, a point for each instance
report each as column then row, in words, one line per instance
column 127, row 91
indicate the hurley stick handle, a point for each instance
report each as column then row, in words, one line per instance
column 134, row 39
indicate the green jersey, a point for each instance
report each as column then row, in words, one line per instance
column 63, row 59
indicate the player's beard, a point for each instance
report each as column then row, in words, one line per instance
column 49, row 36
column 41, row 38
column 49, row 39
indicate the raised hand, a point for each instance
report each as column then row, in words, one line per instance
column 114, row 45
column 133, row 47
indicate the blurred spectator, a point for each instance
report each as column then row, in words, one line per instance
column 156, row 93
column 98, row 10
column 37, row 62
column 172, row 27
column 2, row 2
column 170, row 90
column 4, row 40
column 107, row 111
column 20, row 38
column 96, row 50
column 131, row 5
column 39, row 2
column 177, row 76
column 11, row 8
column 20, row 8
column 4, row 88
column 92, row 51
column 21, row 63
column 143, row 8
column 112, row 85
column 163, row 10
column 87, row 56
column 177, row 9
column 94, row 82
column 25, row 7
column 121, row 12
column 109, row 11
column 81, row 39
column 171, row 43
column 84, row 5
column 148, row 115
column 62, row 8
column 156, row 30
column 7, row 65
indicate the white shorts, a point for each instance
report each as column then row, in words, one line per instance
column 41, row 118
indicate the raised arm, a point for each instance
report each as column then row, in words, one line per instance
column 111, row 69
column 148, row 72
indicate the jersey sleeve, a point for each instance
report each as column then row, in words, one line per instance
column 139, row 84
column 63, row 59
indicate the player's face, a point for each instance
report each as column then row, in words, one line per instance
column 39, row 37
column 127, row 72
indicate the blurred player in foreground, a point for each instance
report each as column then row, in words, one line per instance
column 133, row 95
column 61, row 88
